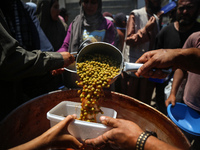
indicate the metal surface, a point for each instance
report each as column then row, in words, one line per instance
column 29, row 120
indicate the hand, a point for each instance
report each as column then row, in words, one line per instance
column 150, row 24
column 57, row 71
column 159, row 14
column 163, row 58
column 68, row 58
column 171, row 99
column 55, row 137
column 132, row 39
column 124, row 134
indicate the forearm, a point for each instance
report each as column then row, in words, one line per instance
column 177, row 80
column 17, row 63
column 153, row 143
column 22, row 64
column 37, row 143
column 188, row 59
column 140, row 37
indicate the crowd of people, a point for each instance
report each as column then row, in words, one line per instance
column 36, row 42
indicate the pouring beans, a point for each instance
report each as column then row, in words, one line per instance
column 95, row 72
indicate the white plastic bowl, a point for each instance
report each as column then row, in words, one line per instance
column 80, row 129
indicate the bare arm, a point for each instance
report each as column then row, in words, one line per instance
column 55, row 137
column 142, row 35
column 177, row 80
column 185, row 59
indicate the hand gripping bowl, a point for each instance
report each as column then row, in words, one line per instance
column 185, row 118
column 80, row 129
column 106, row 49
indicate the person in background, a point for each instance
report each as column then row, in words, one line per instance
column 181, row 60
column 120, row 21
column 54, row 28
column 174, row 36
column 64, row 14
column 89, row 24
column 33, row 5
column 108, row 16
column 142, row 27
column 191, row 96
column 24, row 59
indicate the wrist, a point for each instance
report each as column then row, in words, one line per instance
column 143, row 138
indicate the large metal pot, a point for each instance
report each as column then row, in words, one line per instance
column 29, row 120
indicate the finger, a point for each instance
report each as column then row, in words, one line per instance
column 173, row 103
column 68, row 119
column 68, row 141
column 167, row 103
column 74, row 143
column 97, row 142
column 108, row 121
column 53, row 72
column 144, row 71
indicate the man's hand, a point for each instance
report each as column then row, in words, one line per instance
column 124, row 134
column 68, row 59
column 160, row 59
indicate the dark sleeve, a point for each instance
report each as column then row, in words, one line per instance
column 17, row 63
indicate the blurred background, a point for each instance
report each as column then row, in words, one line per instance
column 112, row 6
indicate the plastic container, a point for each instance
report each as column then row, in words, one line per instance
column 80, row 129
column 187, row 119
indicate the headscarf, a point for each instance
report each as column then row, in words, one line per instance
column 20, row 23
column 54, row 30
column 83, row 21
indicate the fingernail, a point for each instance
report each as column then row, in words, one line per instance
column 102, row 118
column 74, row 115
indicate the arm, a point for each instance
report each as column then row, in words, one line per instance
column 17, row 63
column 124, row 135
column 177, row 80
column 142, row 35
column 55, row 137
column 185, row 59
